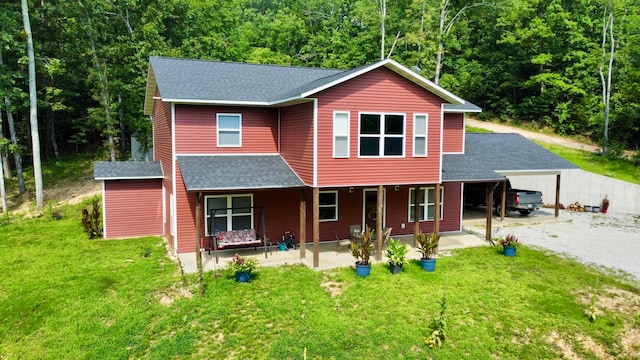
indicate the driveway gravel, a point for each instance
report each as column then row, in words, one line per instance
column 608, row 240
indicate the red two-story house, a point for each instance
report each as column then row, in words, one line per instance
column 262, row 149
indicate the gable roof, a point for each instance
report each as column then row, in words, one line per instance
column 492, row 156
column 229, row 83
column 236, row 172
column 129, row 170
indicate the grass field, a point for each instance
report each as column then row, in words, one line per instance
column 63, row 296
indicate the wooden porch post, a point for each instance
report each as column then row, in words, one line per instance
column 416, row 216
column 198, row 232
column 503, row 201
column 379, row 215
column 557, row 195
column 316, row 227
column 303, row 222
column 436, row 210
column 489, row 208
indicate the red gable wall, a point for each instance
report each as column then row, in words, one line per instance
column 453, row 133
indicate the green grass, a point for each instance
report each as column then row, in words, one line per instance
column 64, row 296
column 472, row 129
column 610, row 166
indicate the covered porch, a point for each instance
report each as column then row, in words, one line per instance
column 330, row 253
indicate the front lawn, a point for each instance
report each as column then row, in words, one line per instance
column 64, row 296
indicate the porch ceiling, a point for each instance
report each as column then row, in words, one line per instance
column 236, row 172
column 491, row 156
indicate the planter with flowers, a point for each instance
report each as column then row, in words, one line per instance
column 397, row 254
column 604, row 205
column 242, row 267
column 361, row 250
column 427, row 245
column 509, row 244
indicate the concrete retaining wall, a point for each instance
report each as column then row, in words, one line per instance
column 584, row 187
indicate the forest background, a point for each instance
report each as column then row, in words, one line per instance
column 543, row 62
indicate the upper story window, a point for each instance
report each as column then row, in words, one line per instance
column 340, row 134
column 381, row 135
column 229, row 129
column 420, row 135
column 232, row 212
column 328, row 204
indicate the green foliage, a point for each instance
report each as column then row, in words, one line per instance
column 91, row 221
column 427, row 243
column 239, row 264
column 397, row 252
column 438, row 325
column 362, row 249
column 508, row 241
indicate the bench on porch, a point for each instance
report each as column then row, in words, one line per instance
column 220, row 240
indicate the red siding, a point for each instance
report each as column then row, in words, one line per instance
column 196, row 130
column 296, row 139
column 380, row 90
column 133, row 208
column 162, row 151
column 186, row 213
column 453, row 133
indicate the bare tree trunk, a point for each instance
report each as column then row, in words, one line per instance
column 3, row 194
column 103, row 89
column 383, row 14
column 33, row 101
column 6, row 169
column 123, row 138
column 607, row 26
column 14, row 140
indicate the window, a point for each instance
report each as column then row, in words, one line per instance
column 235, row 212
column 340, row 134
column 228, row 130
column 328, row 203
column 428, row 203
column 381, row 135
column 420, row 135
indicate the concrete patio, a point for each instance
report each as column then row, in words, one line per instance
column 332, row 255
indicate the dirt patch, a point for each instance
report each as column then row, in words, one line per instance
column 175, row 292
column 63, row 193
column 333, row 287
column 631, row 343
column 612, row 299
column 593, row 347
column 564, row 348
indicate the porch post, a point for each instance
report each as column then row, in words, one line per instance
column 557, row 195
column 416, row 216
column 379, row 215
column 436, row 210
column 303, row 222
column 316, row 227
column 503, row 201
column 198, row 232
column 489, row 208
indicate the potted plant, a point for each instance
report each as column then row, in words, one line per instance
column 397, row 254
column 361, row 250
column 242, row 267
column 604, row 205
column 427, row 245
column 509, row 244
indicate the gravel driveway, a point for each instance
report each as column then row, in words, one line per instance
column 610, row 240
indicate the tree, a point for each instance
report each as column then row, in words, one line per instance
column 607, row 62
column 33, row 111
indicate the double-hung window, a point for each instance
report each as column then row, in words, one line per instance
column 340, row 134
column 420, row 135
column 381, row 135
column 229, row 129
column 328, row 204
column 426, row 204
column 232, row 212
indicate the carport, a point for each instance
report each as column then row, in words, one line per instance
column 491, row 157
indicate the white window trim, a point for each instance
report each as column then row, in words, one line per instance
column 229, row 215
column 426, row 204
column 382, row 136
column 336, row 134
column 330, row 206
column 218, row 129
column 426, row 135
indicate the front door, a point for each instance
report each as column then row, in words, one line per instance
column 370, row 207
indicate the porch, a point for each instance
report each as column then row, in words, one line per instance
column 331, row 254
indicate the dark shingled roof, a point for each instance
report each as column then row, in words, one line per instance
column 466, row 107
column 228, row 81
column 118, row 170
column 235, row 172
column 487, row 155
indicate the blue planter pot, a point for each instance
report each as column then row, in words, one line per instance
column 428, row 264
column 509, row 251
column 243, row 276
column 363, row 270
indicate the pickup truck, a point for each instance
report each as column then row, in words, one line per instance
column 523, row 201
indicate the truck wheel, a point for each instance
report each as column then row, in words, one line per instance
column 524, row 212
column 498, row 210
